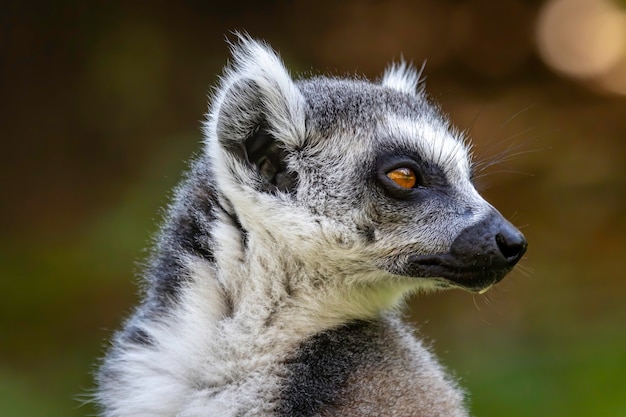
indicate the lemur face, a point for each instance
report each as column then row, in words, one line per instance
column 402, row 179
column 371, row 174
column 426, row 199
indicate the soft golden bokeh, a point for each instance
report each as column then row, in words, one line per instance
column 584, row 39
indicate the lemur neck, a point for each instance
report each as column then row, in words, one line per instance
column 273, row 287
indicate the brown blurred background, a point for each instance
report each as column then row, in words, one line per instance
column 100, row 107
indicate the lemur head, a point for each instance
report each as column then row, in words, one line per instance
column 365, row 180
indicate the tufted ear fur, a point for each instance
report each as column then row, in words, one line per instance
column 257, row 113
column 403, row 77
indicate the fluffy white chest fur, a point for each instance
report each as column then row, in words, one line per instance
column 315, row 208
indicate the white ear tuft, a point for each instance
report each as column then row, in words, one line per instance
column 403, row 77
column 257, row 85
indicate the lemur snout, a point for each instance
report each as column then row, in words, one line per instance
column 492, row 243
column 480, row 256
column 491, row 248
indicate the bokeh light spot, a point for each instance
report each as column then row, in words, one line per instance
column 581, row 38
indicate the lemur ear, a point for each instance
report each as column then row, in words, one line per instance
column 403, row 77
column 257, row 113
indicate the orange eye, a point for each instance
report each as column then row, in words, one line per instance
column 404, row 177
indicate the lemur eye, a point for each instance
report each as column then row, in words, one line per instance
column 400, row 175
column 403, row 176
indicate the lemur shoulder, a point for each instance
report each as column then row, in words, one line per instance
column 315, row 207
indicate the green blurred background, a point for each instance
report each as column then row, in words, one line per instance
column 100, row 107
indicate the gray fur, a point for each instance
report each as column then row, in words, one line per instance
column 273, row 286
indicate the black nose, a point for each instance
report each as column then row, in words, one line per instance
column 511, row 243
column 492, row 243
column 481, row 255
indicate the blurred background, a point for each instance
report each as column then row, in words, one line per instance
column 101, row 104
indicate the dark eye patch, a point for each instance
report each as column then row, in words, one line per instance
column 427, row 175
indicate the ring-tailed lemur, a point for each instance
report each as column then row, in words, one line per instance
column 315, row 208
